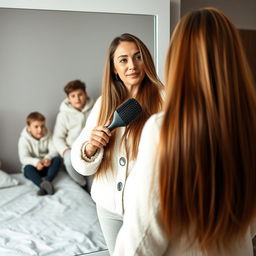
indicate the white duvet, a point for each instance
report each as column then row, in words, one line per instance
column 63, row 224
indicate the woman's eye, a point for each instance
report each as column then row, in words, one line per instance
column 138, row 57
column 123, row 60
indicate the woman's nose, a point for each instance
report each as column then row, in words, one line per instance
column 131, row 64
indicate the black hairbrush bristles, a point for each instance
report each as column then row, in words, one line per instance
column 129, row 110
column 125, row 114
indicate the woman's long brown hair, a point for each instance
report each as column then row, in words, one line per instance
column 114, row 93
column 207, row 155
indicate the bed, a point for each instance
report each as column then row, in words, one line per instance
column 65, row 223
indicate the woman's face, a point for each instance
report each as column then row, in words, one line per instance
column 129, row 66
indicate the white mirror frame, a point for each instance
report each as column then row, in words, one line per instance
column 159, row 8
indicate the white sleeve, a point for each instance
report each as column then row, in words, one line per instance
column 80, row 165
column 142, row 233
column 25, row 154
column 52, row 152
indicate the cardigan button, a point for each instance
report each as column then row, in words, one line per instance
column 122, row 161
column 119, row 186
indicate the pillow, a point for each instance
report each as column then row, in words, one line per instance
column 7, row 180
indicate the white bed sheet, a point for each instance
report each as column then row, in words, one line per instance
column 65, row 223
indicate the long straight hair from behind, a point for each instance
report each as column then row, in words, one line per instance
column 114, row 93
column 208, row 136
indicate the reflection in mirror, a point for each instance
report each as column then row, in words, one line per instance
column 40, row 52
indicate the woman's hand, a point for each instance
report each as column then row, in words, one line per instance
column 99, row 138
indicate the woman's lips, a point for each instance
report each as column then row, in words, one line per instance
column 133, row 74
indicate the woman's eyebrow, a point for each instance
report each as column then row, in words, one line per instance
column 125, row 55
column 122, row 56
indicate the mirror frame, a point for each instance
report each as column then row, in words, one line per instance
column 160, row 10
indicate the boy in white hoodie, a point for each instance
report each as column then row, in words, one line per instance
column 37, row 154
column 70, row 121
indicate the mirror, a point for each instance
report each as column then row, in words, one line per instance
column 34, row 65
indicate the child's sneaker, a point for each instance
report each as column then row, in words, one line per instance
column 47, row 186
column 41, row 192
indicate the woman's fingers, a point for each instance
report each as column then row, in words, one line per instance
column 100, row 136
column 98, row 142
column 105, row 130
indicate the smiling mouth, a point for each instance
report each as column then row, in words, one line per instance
column 133, row 74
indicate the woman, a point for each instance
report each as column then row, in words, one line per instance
column 196, row 163
column 129, row 72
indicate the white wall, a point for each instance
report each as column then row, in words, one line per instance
column 36, row 61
